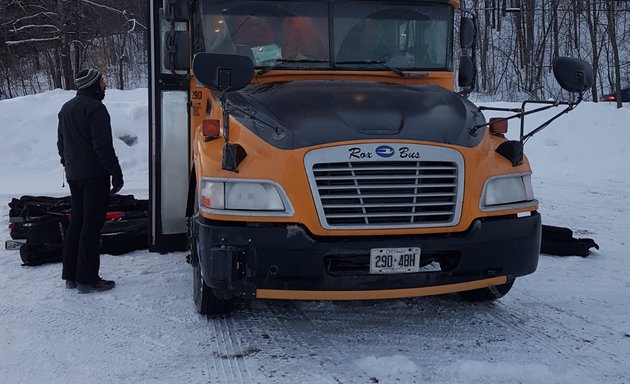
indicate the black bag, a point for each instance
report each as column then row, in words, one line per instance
column 44, row 243
column 42, row 221
column 123, row 236
column 29, row 208
column 559, row 241
column 20, row 231
column 127, row 203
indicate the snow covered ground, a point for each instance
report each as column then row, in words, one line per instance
column 567, row 323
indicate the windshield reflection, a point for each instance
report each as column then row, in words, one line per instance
column 298, row 35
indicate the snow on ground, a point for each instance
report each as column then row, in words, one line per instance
column 567, row 323
column 29, row 136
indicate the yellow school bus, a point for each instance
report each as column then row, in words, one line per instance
column 326, row 150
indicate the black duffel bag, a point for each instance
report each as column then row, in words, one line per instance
column 42, row 222
column 44, row 243
column 559, row 241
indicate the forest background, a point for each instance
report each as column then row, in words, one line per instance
column 43, row 43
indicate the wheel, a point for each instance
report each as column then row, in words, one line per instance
column 487, row 294
column 205, row 300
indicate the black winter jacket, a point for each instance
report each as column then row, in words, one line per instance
column 84, row 139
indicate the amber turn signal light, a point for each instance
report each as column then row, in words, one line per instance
column 211, row 129
column 498, row 125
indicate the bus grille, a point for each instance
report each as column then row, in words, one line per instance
column 381, row 194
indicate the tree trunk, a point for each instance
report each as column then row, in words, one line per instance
column 66, row 65
column 122, row 57
column 65, row 60
column 483, row 49
column 556, row 32
column 9, row 86
column 591, row 20
column 53, row 69
column 612, row 35
column 529, row 21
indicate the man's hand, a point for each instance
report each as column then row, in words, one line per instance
column 117, row 184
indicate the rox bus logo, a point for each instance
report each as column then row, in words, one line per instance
column 383, row 151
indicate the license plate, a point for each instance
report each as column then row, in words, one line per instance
column 394, row 260
column 12, row 245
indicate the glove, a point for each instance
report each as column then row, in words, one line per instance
column 117, row 184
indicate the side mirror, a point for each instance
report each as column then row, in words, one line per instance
column 467, row 33
column 573, row 75
column 466, row 73
column 223, row 72
column 176, row 10
column 176, row 52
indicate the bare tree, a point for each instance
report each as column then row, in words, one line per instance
column 44, row 42
column 612, row 35
column 63, row 30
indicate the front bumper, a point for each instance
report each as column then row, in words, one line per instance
column 285, row 261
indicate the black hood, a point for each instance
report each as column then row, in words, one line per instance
column 299, row 114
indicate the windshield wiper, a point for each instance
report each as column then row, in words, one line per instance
column 278, row 133
column 280, row 62
column 381, row 63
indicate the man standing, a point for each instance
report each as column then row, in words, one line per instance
column 84, row 141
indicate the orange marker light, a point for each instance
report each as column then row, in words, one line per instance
column 211, row 128
column 498, row 125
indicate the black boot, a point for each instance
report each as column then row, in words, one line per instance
column 100, row 286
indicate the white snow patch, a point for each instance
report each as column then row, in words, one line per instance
column 386, row 366
column 481, row 371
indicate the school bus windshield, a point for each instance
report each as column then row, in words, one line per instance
column 298, row 35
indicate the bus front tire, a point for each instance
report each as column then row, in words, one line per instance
column 490, row 293
column 205, row 300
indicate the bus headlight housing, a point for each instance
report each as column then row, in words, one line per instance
column 243, row 197
column 507, row 191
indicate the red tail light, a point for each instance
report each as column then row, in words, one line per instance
column 611, row 98
column 12, row 225
column 114, row 215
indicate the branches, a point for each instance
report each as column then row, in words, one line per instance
column 134, row 22
column 21, row 19
column 122, row 12
column 547, row 28
column 33, row 40
column 25, row 27
column 118, row 11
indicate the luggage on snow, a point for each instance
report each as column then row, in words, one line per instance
column 38, row 225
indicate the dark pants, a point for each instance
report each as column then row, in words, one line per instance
column 81, row 249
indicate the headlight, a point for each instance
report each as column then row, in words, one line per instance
column 512, row 189
column 243, row 197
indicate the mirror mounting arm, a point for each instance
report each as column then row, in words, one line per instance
column 570, row 106
column 520, row 114
column 233, row 154
column 225, row 109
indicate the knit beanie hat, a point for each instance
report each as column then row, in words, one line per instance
column 86, row 78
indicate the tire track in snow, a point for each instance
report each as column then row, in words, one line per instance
column 334, row 363
column 534, row 326
column 227, row 356
column 576, row 340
